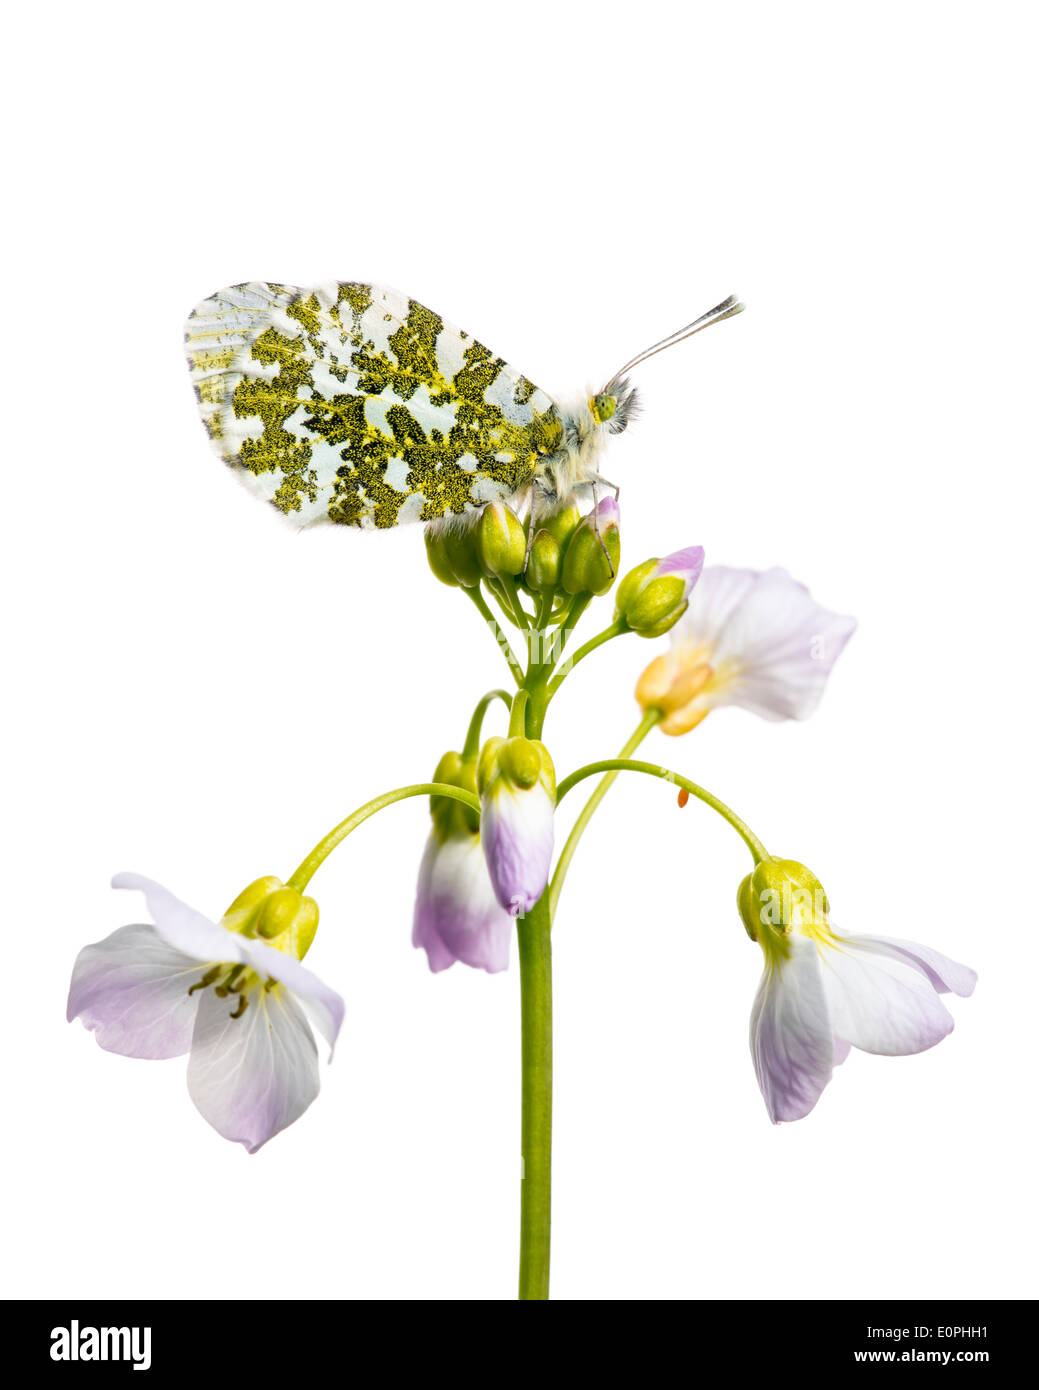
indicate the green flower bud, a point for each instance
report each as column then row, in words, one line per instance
column 593, row 554
column 501, row 541
column 562, row 524
column 436, row 554
column 780, row 896
column 652, row 598
column 545, row 563
column 452, row 554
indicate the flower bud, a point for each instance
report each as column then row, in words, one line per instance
column 654, row 595
column 545, row 563
column 517, row 786
column 562, row 524
column 594, row 550
column 777, row 897
column 452, row 554
column 457, row 915
column 501, row 542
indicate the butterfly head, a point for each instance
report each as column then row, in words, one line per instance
column 615, row 407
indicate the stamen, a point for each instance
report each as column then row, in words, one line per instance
column 243, row 1004
column 229, row 986
column 207, row 979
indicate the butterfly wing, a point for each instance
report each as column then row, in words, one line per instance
column 353, row 404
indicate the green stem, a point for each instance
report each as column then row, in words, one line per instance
column 518, row 714
column 607, row 634
column 649, row 719
column 317, row 856
column 544, row 613
column 535, row 956
column 496, row 632
column 521, row 617
column 472, row 738
column 744, row 831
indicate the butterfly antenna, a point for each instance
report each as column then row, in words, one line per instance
column 725, row 310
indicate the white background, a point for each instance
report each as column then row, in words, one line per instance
column 197, row 693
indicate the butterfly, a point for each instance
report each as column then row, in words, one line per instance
column 353, row 404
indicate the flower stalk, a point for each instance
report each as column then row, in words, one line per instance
column 317, row 856
column 535, row 956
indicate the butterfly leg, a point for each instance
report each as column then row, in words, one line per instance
column 531, row 528
column 595, row 506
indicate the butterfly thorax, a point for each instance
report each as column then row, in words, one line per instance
column 585, row 429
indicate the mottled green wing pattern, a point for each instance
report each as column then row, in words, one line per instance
column 353, row 404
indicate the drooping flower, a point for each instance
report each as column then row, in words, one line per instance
column 517, row 796
column 750, row 638
column 457, row 915
column 653, row 596
column 235, row 1002
column 823, row 993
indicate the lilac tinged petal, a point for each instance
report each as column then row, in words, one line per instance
column 946, row 976
column 840, row 1051
column 323, row 1004
column 425, row 932
column 770, row 643
column 687, row 564
column 790, row 1036
column 197, row 936
column 517, row 835
column 608, row 510
column 131, row 991
column 782, row 645
column 457, row 916
column 252, row 1076
column 181, row 926
column 881, row 1003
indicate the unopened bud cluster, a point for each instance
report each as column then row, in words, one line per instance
column 579, row 555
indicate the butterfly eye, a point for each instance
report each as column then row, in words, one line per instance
column 603, row 407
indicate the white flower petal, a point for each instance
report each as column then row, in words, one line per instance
column 181, row 925
column 457, row 915
column 131, row 991
column 323, row 1004
column 425, row 928
column 881, row 1003
column 719, row 591
column 782, row 645
column 791, row 1040
column 771, row 645
column 252, row 1076
column 946, row 976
